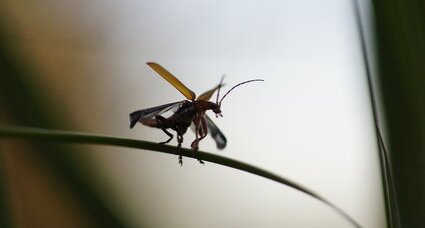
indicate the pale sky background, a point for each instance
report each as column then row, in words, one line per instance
column 310, row 121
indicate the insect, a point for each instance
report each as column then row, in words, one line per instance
column 185, row 113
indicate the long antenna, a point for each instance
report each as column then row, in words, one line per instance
column 219, row 87
column 253, row 80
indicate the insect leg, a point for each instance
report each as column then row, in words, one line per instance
column 194, row 144
column 180, row 141
column 161, row 123
column 204, row 129
column 201, row 130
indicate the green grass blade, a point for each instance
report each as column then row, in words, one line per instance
column 400, row 39
column 84, row 138
column 391, row 207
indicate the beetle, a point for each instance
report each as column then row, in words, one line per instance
column 185, row 113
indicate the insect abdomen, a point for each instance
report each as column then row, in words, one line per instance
column 149, row 122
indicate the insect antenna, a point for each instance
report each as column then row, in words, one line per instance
column 253, row 80
column 219, row 87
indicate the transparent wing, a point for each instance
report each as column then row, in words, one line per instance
column 140, row 115
column 216, row 134
column 189, row 94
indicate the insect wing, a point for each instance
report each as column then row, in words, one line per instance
column 189, row 94
column 140, row 115
column 207, row 95
column 215, row 133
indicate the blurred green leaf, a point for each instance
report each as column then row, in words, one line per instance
column 400, row 34
column 23, row 103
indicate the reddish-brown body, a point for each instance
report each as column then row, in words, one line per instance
column 188, row 112
column 185, row 112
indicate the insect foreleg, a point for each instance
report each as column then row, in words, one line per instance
column 204, row 129
column 161, row 124
column 201, row 131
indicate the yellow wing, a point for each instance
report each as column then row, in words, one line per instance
column 207, row 95
column 189, row 94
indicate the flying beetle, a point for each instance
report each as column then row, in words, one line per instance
column 185, row 113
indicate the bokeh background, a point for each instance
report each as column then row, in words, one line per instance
column 80, row 65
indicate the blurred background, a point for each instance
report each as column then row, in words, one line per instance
column 80, row 65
